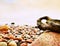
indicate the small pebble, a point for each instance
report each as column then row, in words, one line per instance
column 23, row 44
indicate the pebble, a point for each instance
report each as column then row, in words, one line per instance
column 12, row 43
column 3, row 44
column 23, row 44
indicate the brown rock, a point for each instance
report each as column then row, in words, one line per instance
column 47, row 39
column 4, row 28
column 23, row 44
column 29, row 40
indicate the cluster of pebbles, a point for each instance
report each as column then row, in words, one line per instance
column 11, row 35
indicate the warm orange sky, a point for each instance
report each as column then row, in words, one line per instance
column 28, row 11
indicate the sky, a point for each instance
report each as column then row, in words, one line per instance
column 28, row 11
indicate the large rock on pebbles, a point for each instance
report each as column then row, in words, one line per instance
column 47, row 39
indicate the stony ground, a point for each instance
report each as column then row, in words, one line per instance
column 16, row 35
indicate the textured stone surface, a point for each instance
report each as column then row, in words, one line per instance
column 47, row 39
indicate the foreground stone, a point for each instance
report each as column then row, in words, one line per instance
column 47, row 39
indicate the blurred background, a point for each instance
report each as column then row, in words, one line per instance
column 28, row 11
